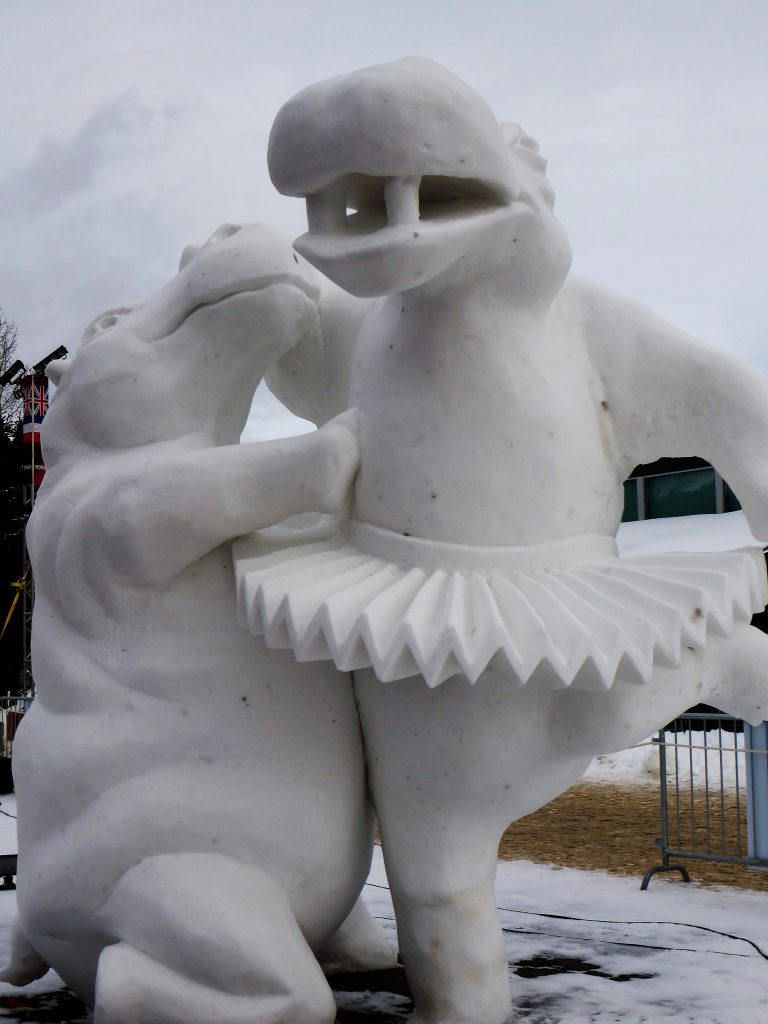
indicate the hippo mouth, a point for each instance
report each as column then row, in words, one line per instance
column 362, row 219
column 361, row 204
column 228, row 295
column 248, row 290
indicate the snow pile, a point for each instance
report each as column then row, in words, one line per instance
column 725, row 531
column 638, row 765
column 715, row 758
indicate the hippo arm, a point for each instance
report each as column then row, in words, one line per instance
column 157, row 518
column 312, row 378
column 670, row 396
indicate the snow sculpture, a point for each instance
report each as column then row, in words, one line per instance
column 193, row 813
column 497, row 642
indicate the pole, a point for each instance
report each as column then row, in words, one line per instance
column 36, row 399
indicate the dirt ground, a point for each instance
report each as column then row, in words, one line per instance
column 597, row 826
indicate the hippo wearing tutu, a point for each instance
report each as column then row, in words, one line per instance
column 496, row 639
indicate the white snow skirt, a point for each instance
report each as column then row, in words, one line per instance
column 571, row 613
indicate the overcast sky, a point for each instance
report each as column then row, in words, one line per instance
column 128, row 129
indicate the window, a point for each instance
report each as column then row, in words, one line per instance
column 680, row 494
column 692, row 489
column 630, row 513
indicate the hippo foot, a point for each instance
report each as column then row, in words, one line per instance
column 201, row 938
column 25, row 964
column 360, row 944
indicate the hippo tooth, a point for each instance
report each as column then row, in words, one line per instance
column 327, row 209
column 401, row 196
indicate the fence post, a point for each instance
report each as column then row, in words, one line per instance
column 756, row 739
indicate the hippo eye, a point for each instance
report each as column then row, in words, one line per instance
column 105, row 321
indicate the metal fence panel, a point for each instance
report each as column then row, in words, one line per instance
column 713, row 793
column 756, row 739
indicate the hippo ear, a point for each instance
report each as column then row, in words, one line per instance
column 528, row 142
column 511, row 133
column 515, row 135
column 222, row 231
column 188, row 254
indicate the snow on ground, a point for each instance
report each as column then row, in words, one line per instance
column 675, row 953
column 591, row 946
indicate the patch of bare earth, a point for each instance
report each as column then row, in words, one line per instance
column 606, row 827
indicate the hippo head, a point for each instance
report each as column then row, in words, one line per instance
column 187, row 360
column 407, row 176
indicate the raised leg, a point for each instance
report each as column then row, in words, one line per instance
column 201, row 938
column 729, row 674
column 736, row 676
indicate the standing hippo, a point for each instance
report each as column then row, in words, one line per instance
column 496, row 639
column 193, row 815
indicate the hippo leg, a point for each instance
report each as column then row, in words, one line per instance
column 735, row 679
column 360, row 944
column 201, row 938
column 449, row 768
column 728, row 674
column 447, row 922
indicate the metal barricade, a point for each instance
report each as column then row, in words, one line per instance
column 704, row 769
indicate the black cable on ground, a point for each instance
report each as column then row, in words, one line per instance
column 598, row 920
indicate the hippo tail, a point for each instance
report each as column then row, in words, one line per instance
column 26, row 964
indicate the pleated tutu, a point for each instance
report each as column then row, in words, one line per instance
column 570, row 613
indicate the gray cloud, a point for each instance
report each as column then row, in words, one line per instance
column 84, row 223
column 62, row 168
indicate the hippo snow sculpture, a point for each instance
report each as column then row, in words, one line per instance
column 497, row 641
column 193, row 813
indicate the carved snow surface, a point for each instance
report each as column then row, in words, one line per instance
column 578, row 625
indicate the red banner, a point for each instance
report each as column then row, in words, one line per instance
column 35, row 405
column 35, row 398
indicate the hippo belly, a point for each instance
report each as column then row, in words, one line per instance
column 187, row 735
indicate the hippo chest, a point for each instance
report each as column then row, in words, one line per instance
column 474, row 441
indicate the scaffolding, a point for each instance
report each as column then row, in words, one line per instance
column 33, row 386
